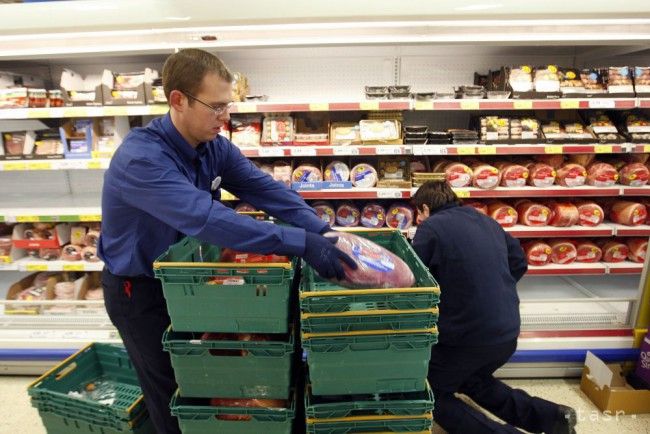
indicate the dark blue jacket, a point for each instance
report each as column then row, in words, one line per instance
column 159, row 188
column 477, row 265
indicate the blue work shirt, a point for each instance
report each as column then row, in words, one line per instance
column 477, row 265
column 159, row 188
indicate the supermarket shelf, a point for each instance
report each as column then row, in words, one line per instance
column 630, row 231
column 639, row 148
column 510, row 104
column 265, row 107
column 635, row 191
column 85, row 112
column 31, row 265
column 625, row 267
column 357, row 193
column 313, row 151
column 63, row 164
column 522, row 231
column 554, row 191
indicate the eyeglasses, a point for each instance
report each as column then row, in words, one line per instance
column 218, row 110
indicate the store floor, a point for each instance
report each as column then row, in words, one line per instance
column 17, row 415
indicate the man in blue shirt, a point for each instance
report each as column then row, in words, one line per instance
column 164, row 183
column 477, row 265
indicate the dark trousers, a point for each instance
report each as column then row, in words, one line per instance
column 137, row 309
column 469, row 370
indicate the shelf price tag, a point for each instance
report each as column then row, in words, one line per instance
column 300, row 151
column 74, row 267
column 469, row 105
column 423, row 105
column 369, row 105
column 570, row 104
column 36, row 267
column 28, row 218
column 346, row 150
column 271, row 151
column 246, row 107
column 389, row 193
column 604, row 103
column 429, row 150
column 94, row 164
column 646, row 148
column 319, row 107
column 603, row 149
column 553, row 149
column 5, row 259
column 39, row 165
column 38, row 113
column 90, row 218
column 116, row 111
column 158, row 109
column 487, row 150
column 462, row 194
column 11, row 165
column 466, row 150
column 388, row 150
column 75, row 112
column 523, row 105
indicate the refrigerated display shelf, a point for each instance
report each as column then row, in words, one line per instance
column 625, row 267
column 62, row 164
column 32, row 265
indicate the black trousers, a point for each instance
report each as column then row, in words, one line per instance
column 469, row 370
column 137, row 309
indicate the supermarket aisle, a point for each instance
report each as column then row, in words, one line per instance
column 17, row 416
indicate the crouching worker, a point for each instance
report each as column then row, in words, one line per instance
column 477, row 265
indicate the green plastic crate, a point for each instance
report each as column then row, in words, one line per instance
column 57, row 424
column 411, row 424
column 261, row 305
column 265, row 372
column 95, row 362
column 387, row 404
column 197, row 416
column 321, row 296
column 374, row 363
column 368, row 320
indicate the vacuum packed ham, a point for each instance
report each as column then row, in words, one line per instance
column 373, row 215
column 485, row 176
column 589, row 213
column 337, row 171
column 377, row 267
column 503, row 213
column 628, row 213
column 587, row 251
column 562, row 251
column 537, row 252
column 582, row 159
column 364, row 176
column 71, row 252
column 400, row 217
column 564, row 214
column 325, row 211
column 541, row 175
column 230, row 255
column 307, row 173
column 532, row 214
column 512, row 175
column 601, row 174
column 638, row 248
column 553, row 160
column 634, row 175
column 571, row 175
column 613, row 250
column 347, row 215
column 478, row 206
column 458, row 175
column 245, row 403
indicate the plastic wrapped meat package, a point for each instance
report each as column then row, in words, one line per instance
column 246, row 130
column 348, row 215
column 307, row 172
column 277, row 130
column 373, row 215
column 282, row 172
column 377, row 267
column 364, row 176
column 325, row 211
column 521, row 79
column 547, row 79
column 337, row 171
column 343, row 133
column 400, row 216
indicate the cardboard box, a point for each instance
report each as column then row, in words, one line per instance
column 24, row 283
column 61, row 236
column 132, row 95
column 607, row 388
column 80, row 92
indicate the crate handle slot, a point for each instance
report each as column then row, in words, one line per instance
column 261, row 290
column 65, row 371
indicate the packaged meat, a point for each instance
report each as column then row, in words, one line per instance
column 562, row 251
column 587, row 251
column 485, row 176
column 592, row 80
column 619, row 79
column 601, row 174
column 634, row 174
column 547, row 79
column 89, row 254
column 613, row 250
column 78, row 234
column 277, row 130
column 373, row 216
column 537, row 252
column 553, row 160
column 71, row 252
column 337, row 171
column 503, row 213
column 64, row 291
column 245, row 207
column 282, row 172
column 478, row 206
column 590, row 213
column 570, row 81
column 582, row 159
column 541, row 175
column 521, row 78
column 400, row 217
column 641, row 77
column 230, row 255
column 307, row 173
column 14, row 143
column 512, row 174
column 363, row 176
column 628, row 213
column 394, row 169
column 571, row 175
column 379, row 130
column 92, row 238
column 347, row 215
column 246, row 130
column 325, row 212
column 343, row 133
column 33, row 293
column 458, row 175
column 638, row 248
column 418, row 166
column 564, row 214
column 49, row 254
column 377, row 267
column 532, row 214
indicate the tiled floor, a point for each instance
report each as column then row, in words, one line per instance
column 17, row 416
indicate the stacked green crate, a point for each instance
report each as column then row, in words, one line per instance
column 207, row 299
column 66, row 405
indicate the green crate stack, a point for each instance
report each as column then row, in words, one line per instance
column 391, row 412
column 205, row 295
column 374, row 341
column 62, row 413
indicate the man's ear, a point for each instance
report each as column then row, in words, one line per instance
column 426, row 209
column 177, row 100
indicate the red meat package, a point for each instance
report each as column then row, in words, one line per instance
column 245, row 403
column 377, row 267
column 230, row 255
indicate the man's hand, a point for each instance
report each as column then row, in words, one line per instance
column 325, row 258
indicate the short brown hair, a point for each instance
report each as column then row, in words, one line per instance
column 435, row 194
column 185, row 69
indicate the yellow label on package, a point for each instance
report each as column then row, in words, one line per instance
column 319, row 107
column 423, row 105
column 5, row 259
column 462, row 194
column 554, row 149
column 74, row 267
column 487, row 150
column 646, row 148
column 246, row 107
column 8, row 166
column 90, row 218
column 469, row 105
column 27, row 218
column 36, row 267
column 570, row 104
column 39, row 165
column 466, row 150
column 603, row 149
column 523, row 105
